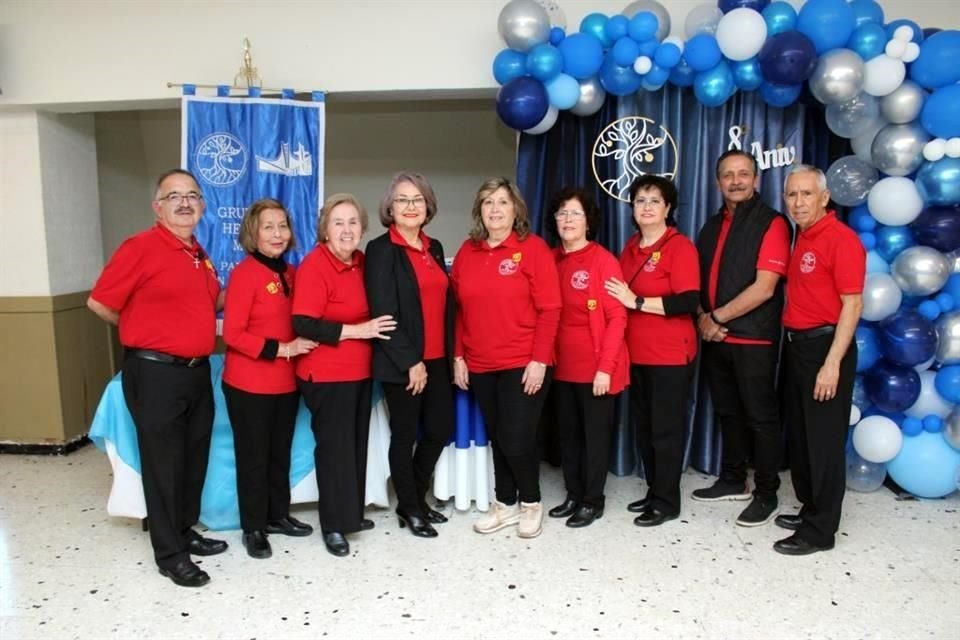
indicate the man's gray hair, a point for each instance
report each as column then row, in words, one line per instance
column 804, row 168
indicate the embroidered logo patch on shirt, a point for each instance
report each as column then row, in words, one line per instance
column 651, row 264
column 508, row 267
column 517, row 256
column 580, row 279
column 272, row 288
column 808, row 262
column 591, row 304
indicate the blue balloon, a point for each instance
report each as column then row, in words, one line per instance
column 947, row 383
column 938, row 227
column 828, row 23
column 780, row 16
column 929, row 309
column 932, row 424
column 868, row 40
column 582, row 55
column 868, row 348
column 937, row 64
column 896, row 24
column 714, row 87
column 911, row 302
column 544, row 62
column 780, row 95
column 945, row 301
column 926, row 466
column 891, row 388
column 657, row 76
column 563, row 91
column 868, row 239
column 702, row 52
column 866, row 12
column 929, row 31
column 617, row 80
column 940, row 115
column 787, row 58
column 860, row 398
column 643, row 26
column 876, row 264
column 667, row 55
column 596, row 25
column 860, row 218
column 729, row 5
column 557, row 34
column 939, row 182
column 892, row 240
column 522, row 103
column 907, row 338
column 625, row 52
column 682, row 75
column 912, row 426
column 953, row 286
column 616, row 27
column 747, row 74
column 509, row 64
column 648, row 48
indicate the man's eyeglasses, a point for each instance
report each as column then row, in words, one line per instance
column 176, row 199
column 402, row 204
column 574, row 214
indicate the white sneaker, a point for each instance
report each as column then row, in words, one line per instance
column 499, row 516
column 531, row 520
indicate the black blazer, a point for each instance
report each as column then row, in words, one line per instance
column 392, row 289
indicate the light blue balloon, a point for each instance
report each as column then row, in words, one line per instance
column 868, row 40
column 876, row 264
column 828, row 23
column 715, row 86
column 702, row 52
column 625, row 52
column 596, row 25
column 939, row 182
column 865, row 12
column 544, row 62
column 892, row 240
column 563, row 91
column 779, row 16
column 780, row 95
column 509, row 64
column 616, row 27
column 682, row 75
column 667, row 55
column 747, row 74
column 926, row 466
column 940, row 115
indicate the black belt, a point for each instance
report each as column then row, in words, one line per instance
column 166, row 358
column 809, row 334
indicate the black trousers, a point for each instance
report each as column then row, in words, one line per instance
column 817, row 436
column 172, row 409
column 511, row 417
column 262, row 437
column 340, row 420
column 742, row 379
column 658, row 406
column 584, row 427
column 432, row 409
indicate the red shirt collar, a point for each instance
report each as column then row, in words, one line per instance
column 820, row 225
column 172, row 241
column 582, row 251
column 671, row 231
column 512, row 242
column 398, row 239
column 356, row 260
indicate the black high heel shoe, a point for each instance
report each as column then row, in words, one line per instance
column 433, row 517
column 418, row 526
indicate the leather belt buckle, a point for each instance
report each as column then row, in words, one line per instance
column 194, row 362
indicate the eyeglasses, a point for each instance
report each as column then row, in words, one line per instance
column 402, row 204
column 176, row 199
column 575, row 214
column 641, row 203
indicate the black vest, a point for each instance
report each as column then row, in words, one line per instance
column 738, row 268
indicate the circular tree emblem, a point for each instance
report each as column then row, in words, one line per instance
column 221, row 159
column 638, row 146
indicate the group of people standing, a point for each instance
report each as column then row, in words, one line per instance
column 511, row 320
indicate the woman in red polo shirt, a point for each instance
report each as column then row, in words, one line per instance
column 505, row 280
column 330, row 307
column 258, row 381
column 661, row 293
column 406, row 278
column 591, row 356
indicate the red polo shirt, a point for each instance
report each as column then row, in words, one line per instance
column 509, row 303
column 828, row 261
column 332, row 290
column 773, row 256
column 668, row 267
column 433, row 282
column 167, row 301
column 256, row 310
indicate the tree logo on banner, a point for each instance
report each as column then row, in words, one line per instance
column 638, row 145
column 221, row 159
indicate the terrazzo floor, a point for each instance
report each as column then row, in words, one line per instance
column 68, row 570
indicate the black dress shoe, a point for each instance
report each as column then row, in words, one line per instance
column 336, row 543
column 418, row 526
column 788, row 521
column 653, row 518
column 257, row 545
column 564, row 510
column 186, row 574
column 585, row 516
column 639, row 506
column 366, row 524
column 199, row 546
column 434, row 517
column 289, row 526
column 797, row 546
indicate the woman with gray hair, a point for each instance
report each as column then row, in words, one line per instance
column 405, row 278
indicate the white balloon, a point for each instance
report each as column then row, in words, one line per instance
column 952, row 149
column 854, row 414
column 549, row 119
column 862, row 144
column 881, row 296
column 643, row 65
column 895, row 49
column 911, row 53
column 882, row 75
column 935, row 149
column 741, row 34
column 877, row 439
column 895, row 201
column 930, row 403
column 903, row 34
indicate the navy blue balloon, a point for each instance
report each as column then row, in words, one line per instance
column 892, row 240
column 582, row 55
column 682, row 75
column 714, row 86
column 747, row 74
column 891, row 388
column 868, row 348
column 939, row 182
column 866, row 11
column 907, row 338
column 937, row 65
column 868, row 40
column 522, row 103
column 617, row 80
column 787, row 58
column 929, row 31
column 938, row 227
column 509, row 64
column 729, row 5
column 896, row 24
column 780, row 16
column 940, row 115
column 702, row 52
column 778, row 95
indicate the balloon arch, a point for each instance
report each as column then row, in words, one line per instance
column 892, row 89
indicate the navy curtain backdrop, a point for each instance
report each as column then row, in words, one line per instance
column 563, row 156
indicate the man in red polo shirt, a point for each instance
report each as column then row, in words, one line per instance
column 824, row 302
column 162, row 291
column 743, row 251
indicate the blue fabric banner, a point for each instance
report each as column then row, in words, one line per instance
column 244, row 149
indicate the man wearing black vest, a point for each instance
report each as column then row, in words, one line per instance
column 744, row 250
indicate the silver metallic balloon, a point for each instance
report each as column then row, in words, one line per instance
column 898, row 148
column 904, row 104
column 592, row 95
column 951, row 429
column 703, row 18
column 850, row 179
column 881, row 296
column 853, row 117
column 523, row 24
column 654, row 7
column 948, row 340
column 954, row 258
column 920, row 271
column 838, row 76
